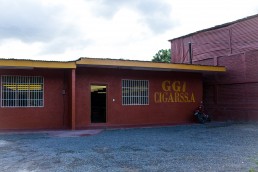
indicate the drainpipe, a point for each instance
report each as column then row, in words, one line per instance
column 190, row 52
column 73, row 76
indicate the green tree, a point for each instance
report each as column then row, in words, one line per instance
column 163, row 55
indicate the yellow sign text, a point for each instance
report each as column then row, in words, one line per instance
column 174, row 92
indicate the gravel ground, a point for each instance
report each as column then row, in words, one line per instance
column 211, row 147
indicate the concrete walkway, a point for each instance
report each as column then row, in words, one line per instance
column 74, row 133
column 56, row 133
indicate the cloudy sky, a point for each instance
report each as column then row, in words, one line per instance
column 128, row 29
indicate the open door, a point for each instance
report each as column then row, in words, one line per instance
column 98, row 103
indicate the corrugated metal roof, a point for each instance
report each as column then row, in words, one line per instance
column 146, row 65
column 113, row 63
column 116, row 59
column 38, row 60
column 206, row 44
column 27, row 63
column 217, row 27
column 140, row 61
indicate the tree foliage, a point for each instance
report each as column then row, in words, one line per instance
column 163, row 55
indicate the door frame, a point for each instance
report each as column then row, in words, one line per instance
column 100, row 84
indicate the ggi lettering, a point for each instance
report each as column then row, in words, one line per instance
column 174, row 92
column 176, row 86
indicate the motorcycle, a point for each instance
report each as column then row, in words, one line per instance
column 200, row 115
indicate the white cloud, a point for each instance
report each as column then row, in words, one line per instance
column 154, row 14
column 28, row 21
column 68, row 29
column 200, row 14
column 15, row 48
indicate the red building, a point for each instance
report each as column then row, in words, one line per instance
column 234, row 95
column 90, row 93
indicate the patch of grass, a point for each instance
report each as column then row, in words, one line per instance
column 251, row 170
column 255, row 169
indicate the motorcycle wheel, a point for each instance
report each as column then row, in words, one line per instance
column 201, row 118
column 208, row 119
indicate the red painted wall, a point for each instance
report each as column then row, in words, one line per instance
column 152, row 114
column 233, row 95
column 54, row 114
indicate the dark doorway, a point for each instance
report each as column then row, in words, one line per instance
column 98, row 103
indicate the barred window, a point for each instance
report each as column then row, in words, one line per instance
column 22, row 91
column 135, row 92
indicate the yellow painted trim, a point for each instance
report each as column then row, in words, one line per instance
column 150, row 65
column 23, row 86
column 36, row 64
column 108, row 62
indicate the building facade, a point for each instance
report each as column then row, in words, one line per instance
column 93, row 93
column 234, row 95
